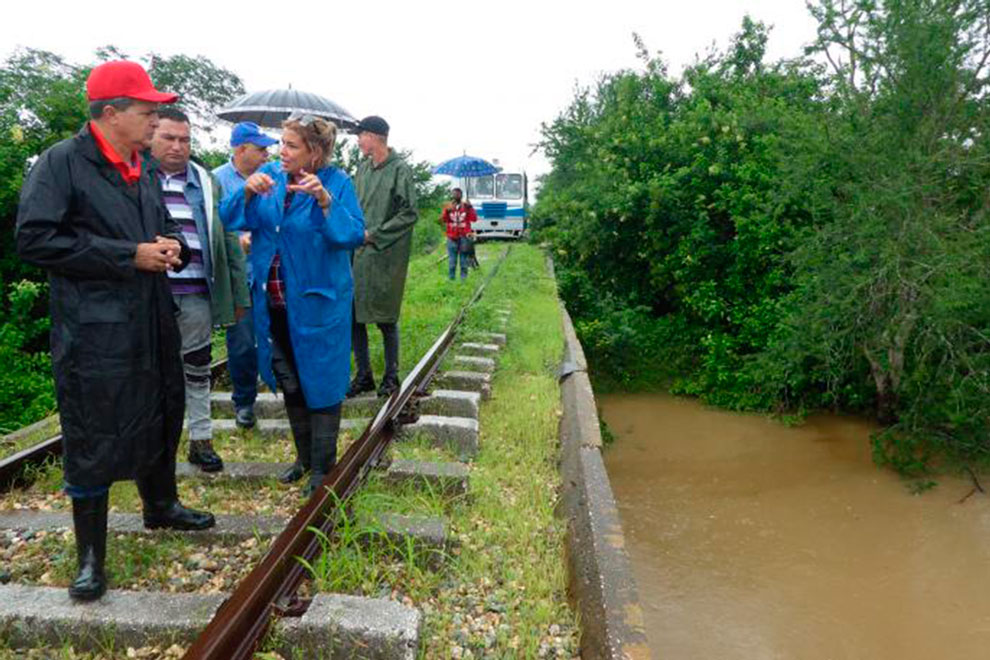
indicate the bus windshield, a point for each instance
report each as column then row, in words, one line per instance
column 481, row 186
column 509, row 186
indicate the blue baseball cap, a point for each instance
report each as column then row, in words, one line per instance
column 248, row 131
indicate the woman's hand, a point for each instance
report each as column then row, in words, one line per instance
column 310, row 184
column 258, row 183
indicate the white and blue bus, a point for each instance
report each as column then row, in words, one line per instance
column 501, row 201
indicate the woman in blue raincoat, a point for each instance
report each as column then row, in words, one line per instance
column 304, row 220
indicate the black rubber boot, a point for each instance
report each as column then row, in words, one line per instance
column 390, row 341
column 89, row 517
column 362, row 383
column 326, row 425
column 390, row 383
column 301, row 434
column 162, row 509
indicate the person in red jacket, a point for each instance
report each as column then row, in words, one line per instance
column 458, row 216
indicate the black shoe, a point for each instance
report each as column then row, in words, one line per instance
column 201, row 453
column 388, row 386
column 244, row 418
column 292, row 474
column 360, row 385
column 176, row 516
column 89, row 517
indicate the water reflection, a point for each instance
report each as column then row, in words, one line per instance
column 751, row 539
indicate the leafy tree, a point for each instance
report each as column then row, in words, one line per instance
column 203, row 87
column 664, row 195
column 891, row 284
column 40, row 104
column 797, row 234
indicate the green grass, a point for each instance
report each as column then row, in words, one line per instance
column 360, row 558
column 421, row 447
column 509, row 566
column 513, row 546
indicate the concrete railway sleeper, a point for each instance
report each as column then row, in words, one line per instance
column 282, row 542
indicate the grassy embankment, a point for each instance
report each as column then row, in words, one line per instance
column 509, row 563
column 501, row 592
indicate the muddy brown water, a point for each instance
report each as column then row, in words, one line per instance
column 750, row 539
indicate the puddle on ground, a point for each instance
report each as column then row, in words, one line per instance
column 750, row 539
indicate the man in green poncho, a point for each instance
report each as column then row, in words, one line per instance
column 385, row 189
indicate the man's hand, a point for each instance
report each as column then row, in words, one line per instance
column 174, row 247
column 239, row 312
column 159, row 256
column 245, row 240
column 367, row 237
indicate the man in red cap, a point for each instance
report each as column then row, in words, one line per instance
column 91, row 214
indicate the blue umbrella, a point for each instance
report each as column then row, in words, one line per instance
column 466, row 166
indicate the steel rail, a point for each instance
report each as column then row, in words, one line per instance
column 243, row 619
column 13, row 468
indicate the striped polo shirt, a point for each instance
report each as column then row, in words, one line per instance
column 192, row 279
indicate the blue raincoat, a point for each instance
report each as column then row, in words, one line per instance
column 316, row 269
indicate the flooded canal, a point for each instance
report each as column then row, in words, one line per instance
column 753, row 540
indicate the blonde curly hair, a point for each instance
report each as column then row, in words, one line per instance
column 319, row 135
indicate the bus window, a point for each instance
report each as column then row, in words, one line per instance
column 480, row 186
column 508, row 186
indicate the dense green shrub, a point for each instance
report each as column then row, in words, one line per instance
column 26, row 390
column 664, row 193
column 793, row 235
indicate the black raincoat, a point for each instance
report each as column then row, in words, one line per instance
column 114, row 338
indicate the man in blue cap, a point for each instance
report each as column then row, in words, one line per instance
column 250, row 151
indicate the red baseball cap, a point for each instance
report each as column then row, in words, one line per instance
column 123, row 79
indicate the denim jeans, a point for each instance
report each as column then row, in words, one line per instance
column 452, row 254
column 242, row 361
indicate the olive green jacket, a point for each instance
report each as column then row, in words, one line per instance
column 388, row 199
column 228, row 284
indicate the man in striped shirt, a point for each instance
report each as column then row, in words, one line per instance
column 212, row 289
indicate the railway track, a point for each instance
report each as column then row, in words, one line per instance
column 15, row 470
column 271, row 589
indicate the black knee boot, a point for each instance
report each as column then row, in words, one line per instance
column 301, row 433
column 390, row 339
column 160, row 499
column 89, row 517
column 326, row 425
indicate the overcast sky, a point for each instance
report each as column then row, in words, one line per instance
column 450, row 77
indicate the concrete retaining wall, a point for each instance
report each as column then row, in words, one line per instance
column 602, row 587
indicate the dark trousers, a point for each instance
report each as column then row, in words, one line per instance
column 390, row 338
column 242, row 361
column 314, row 430
column 283, row 358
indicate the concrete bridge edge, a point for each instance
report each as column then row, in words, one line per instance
column 601, row 584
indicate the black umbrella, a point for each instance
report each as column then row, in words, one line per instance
column 273, row 106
